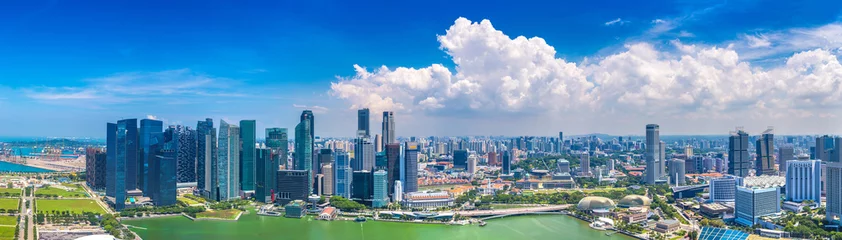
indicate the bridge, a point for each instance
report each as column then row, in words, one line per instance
column 514, row 211
column 521, row 213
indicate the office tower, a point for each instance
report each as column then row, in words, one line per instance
column 738, row 159
column 378, row 143
column 112, row 168
column 206, row 159
column 304, row 147
column 803, row 180
column 163, row 179
column 663, row 159
column 308, row 116
column 248, row 140
column 460, row 159
column 325, row 157
column 380, row 161
column 342, row 176
column 652, row 154
column 492, row 158
column 95, row 168
column 228, row 162
column 363, row 122
column 411, row 167
column 184, row 145
column 677, row 172
column 563, row 166
column 584, row 161
column 472, row 164
column 397, row 195
column 388, row 128
column 125, row 163
column 327, row 171
column 724, row 189
column 836, row 153
column 753, row 203
column 560, row 142
column 823, row 145
column 785, row 153
column 833, row 181
column 363, row 154
column 320, row 178
column 507, row 162
column 293, row 185
column 362, row 187
column 381, row 189
column 265, row 175
column 278, row 140
column 393, row 165
column 694, row 164
column 147, row 128
column 688, row 151
column 764, row 148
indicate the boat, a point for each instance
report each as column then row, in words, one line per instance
column 359, row 219
column 482, row 224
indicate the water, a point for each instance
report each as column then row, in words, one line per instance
column 251, row 226
column 13, row 167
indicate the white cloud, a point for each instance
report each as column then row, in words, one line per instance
column 496, row 74
column 315, row 109
column 784, row 42
column 757, row 41
column 616, row 21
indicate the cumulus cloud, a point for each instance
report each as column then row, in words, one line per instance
column 498, row 74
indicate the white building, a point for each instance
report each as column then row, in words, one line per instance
column 472, row 164
column 803, row 180
column 753, row 203
column 427, row 200
column 397, row 196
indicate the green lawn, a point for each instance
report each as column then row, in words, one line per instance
column 187, row 200
column 224, row 214
column 77, row 193
column 14, row 192
column 9, row 220
column 72, row 205
column 7, row 233
column 10, row 203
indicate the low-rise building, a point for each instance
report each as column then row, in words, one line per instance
column 667, row 226
column 295, row 209
column 635, row 215
column 427, row 200
column 715, row 210
column 328, row 214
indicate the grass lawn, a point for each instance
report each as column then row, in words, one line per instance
column 187, row 200
column 224, row 214
column 9, row 220
column 13, row 191
column 72, row 205
column 9, row 203
column 7, row 233
column 79, row 193
column 507, row 206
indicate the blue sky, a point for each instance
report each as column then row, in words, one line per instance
column 67, row 68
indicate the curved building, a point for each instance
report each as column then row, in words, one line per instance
column 595, row 203
column 634, row 201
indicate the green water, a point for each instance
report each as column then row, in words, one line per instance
column 251, row 226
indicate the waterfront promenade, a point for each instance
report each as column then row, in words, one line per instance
column 513, row 211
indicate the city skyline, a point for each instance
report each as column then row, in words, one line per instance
column 692, row 68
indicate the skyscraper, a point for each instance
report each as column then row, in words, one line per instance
column 803, row 181
column 308, row 115
column 162, row 179
column 378, row 143
column 653, row 153
column 507, row 162
column 125, row 165
column 327, row 171
column 560, row 142
column 228, row 162
column 342, row 176
column 472, row 164
column 147, row 128
column 112, row 168
column 393, row 165
column 411, row 167
column 823, row 146
column 304, row 148
column 325, row 157
column 95, row 168
column 460, row 159
column 677, row 171
column 184, row 145
column 363, row 154
column 585, row 161
column 738, row 158
column 363, row 122
column 753, row 203
column 206, row 159
column 362, row 187
column 265, row 175
column 388, row 128
column 277, row 139
column 833, row 183
column 381, row 190
column 764, row 148
column 248, row 139
column 293, row 185
column 785, row 153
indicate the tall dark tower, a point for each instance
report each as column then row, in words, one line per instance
column 363, row 122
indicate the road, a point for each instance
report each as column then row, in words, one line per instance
column 513, row 210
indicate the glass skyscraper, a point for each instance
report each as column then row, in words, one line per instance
column 228, row 163
column 277, row 139
column 248, row 138
column 115, row 166
column 363, row 154
column 381, row 189
column 393, row 166
column 411, row 167
column 162, row 179
column 184, row 145
column 304, row 149
column 364, row 122
column 206, row 155
column 738, row 158
column 764, row 148
column 388, row 129
column 147, row 128
column 342, row 175
column 265, row 175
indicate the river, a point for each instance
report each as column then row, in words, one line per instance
column 251, row 226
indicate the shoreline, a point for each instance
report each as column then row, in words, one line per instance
column 41, row 169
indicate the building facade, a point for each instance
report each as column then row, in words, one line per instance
column 410, row 182
column 148, row 127
column 265, row 175
column 304, row 149
column 292, row 185
column 342, row 175
column 364, row 122
column 277, row 139
column 764, row 148
column 803, row 180
column 380, row 196
column 427, row 200
column 248, row 140
column 388, row 128
column 507, row 163
column 676, row 169
column 833, row 181
column 95, row 168
column 460, row 159
column 184, row 141
column 723, row 189
column 206, row 159
column 652, row 155
column 327, row 172
column 228, row 162
column 362, row 187
column 753, row 203
column 738, row 158
column 363, row 154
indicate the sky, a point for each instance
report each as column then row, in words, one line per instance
column 445, row 68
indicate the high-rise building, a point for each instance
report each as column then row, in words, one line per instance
column 663, row 161
column 585, row 163
column 113, row 168
column 724, row 189
column 397, row 195
column 206, row 159
column 293, row 185
column 304, row 148
column 460, row 159
column 472, row 164
column 753, row 203
column 803, row 180
column 836, row 153
column 785, row 153
column 764, row 148
column 362, row 187
column 393, row 165
column 277, row 139
column 363, row 154
column 560, row 142
column 378, row 143
column 688, row 151
column 388, row 128
column 327, row 171
column 738, row 158
column 833, row 182
column 507, row 162
column 311, row 122
column 162, row 179
column 265, row 175
column 248, row 140
column 411, row 166
column 148, row 127
column 342, row 175
column 125, row 165
column 95, row 168
column 492, row 158
column 380, row 161
column 325, row 157
column 363, row 122
column 652, row 154
column 228, row 162
column 563, row 166
column 676, row 170
column 823, row 146
column 381, row 189
column 184, row 145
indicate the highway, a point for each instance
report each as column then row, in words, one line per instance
column 512, row 211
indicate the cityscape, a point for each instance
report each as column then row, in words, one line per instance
column 485, row 120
